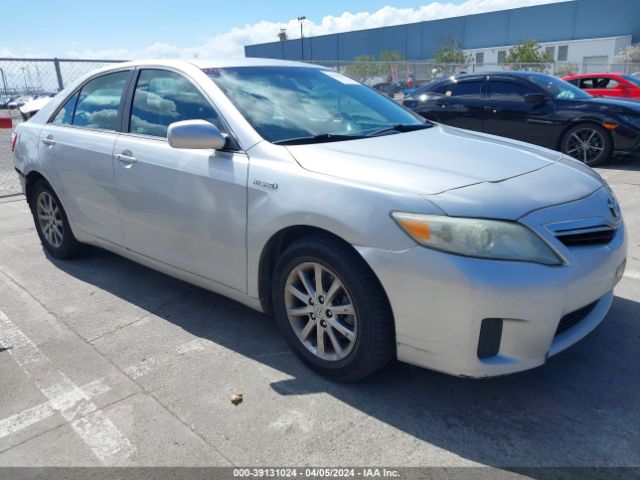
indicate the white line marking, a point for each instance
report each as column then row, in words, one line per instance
column 91, row 424
column 632, row 274
column 32, row 415
column 145, row 366
column 25, row 418
column 195, row 345
column 141, row 368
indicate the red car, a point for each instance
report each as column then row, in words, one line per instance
column 607, row 84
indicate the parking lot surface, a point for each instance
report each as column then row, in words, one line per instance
column 106, row 362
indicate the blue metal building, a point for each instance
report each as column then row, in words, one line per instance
column 558, row 22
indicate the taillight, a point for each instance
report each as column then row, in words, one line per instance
column 14, row 140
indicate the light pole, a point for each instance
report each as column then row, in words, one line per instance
column 24, row 75
column 4, row 84
column 301, row 20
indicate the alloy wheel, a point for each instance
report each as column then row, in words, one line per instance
column 321, row 311
column 50, row 219
column 586, row 144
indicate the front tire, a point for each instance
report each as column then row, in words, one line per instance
column 587, row 142
column 52, row 223
column 332, row 309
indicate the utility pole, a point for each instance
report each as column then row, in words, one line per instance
column 24, row 75
column 4, row 83
column 301, row 20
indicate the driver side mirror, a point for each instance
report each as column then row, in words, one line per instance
column 198, row 134
column 535, row 98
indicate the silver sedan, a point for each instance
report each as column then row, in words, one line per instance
column 367, row 232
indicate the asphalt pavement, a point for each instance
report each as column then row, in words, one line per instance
column 111, row 363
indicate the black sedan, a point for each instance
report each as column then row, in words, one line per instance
column 534, row 108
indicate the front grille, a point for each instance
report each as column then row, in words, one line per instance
column 592, row 237
column 575, row 317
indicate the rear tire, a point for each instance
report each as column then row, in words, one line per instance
column 587, row 142
column 52, row 223
column 348, row 313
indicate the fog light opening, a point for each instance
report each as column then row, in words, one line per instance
column 490, row 337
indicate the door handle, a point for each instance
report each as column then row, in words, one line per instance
column 48, row 140
column 126, row 157
column 493, row 109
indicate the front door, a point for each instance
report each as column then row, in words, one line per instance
column 185, row 208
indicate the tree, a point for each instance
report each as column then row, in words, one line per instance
column 391, row 56
column 631, row 54
column 450, row 57
column 364, row 67
column 531, row 54
column 450, row 52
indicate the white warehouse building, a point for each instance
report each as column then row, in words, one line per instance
column 585, row 55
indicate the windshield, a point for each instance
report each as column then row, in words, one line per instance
column 284, row 103
column 559, row 88
column 631, row 79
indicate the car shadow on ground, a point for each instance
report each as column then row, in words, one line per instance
column 581, row 408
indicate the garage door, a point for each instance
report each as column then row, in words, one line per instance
column 596, row 64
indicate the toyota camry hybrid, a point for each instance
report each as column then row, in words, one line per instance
column 368, row 232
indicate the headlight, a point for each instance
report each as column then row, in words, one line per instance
column 474, row 237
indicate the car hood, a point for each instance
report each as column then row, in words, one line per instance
column 564, row 181
column 629, row 103
column 425, row 162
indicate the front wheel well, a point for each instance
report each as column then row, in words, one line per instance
column 576, row 123
column 272, row 250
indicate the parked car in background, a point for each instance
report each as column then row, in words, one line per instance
column 29, row 109
column 20, row 101
column 4, row 101
column 607, row 84
column 368, row 232
column 534, row 108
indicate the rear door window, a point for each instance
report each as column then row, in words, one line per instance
column 65, row 114
column 99, row 101
column 469, row 88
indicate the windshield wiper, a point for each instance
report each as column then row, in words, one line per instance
column 322, row 138
column 401, row 127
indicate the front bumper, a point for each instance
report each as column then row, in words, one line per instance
column 440, row 300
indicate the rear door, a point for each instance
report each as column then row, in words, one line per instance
column 509, row 115
column 76, row 150
column 185, row 208
column 460, row 103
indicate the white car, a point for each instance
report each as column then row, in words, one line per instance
column 32, row 107
column 368, row 232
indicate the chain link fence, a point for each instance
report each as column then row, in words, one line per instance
column 23, row 80
column 380, row 74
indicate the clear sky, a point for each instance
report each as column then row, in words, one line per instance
column 134, row 28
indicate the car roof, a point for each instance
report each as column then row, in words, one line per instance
column 589, row 75
column 213, row 63
column 496, row 73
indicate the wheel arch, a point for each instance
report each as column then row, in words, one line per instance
column 31, row 179
column 578, row 121
column 277, row 244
